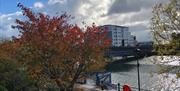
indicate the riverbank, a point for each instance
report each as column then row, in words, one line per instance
column 124, row 71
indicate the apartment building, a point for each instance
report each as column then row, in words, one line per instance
column 120, row 36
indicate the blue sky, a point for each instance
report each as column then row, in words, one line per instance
column 10, row 6
column 135, row 14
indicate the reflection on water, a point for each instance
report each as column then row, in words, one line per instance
column 125, row 72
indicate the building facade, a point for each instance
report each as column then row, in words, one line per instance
column 120, row 36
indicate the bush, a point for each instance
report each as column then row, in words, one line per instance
column 3, row 88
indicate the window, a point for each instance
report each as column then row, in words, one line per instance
column 115, row 35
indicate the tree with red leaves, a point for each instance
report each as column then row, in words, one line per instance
column 53, row 49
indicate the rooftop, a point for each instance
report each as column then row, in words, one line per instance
column 115, row 25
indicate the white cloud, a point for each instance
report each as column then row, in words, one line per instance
column 6, row 21
column 56, row 1
column 87, row 11
column 92, row 11
column 2, row 16
column 101, row 12
column 38, row 5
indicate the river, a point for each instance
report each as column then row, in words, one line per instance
column 126, row 73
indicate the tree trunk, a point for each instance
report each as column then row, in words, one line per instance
column 70, row 87
column 76, row 76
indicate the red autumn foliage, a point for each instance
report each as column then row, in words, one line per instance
column 57, row 50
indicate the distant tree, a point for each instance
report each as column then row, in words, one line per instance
column 166, row 28
column 53, row 49
column 165, row 25
column 176, row 43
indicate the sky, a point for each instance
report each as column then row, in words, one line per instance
column 135, row 14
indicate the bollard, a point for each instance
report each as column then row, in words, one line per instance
column 118, row 86
column 126, row 88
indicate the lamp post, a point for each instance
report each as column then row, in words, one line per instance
column 137, row 55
